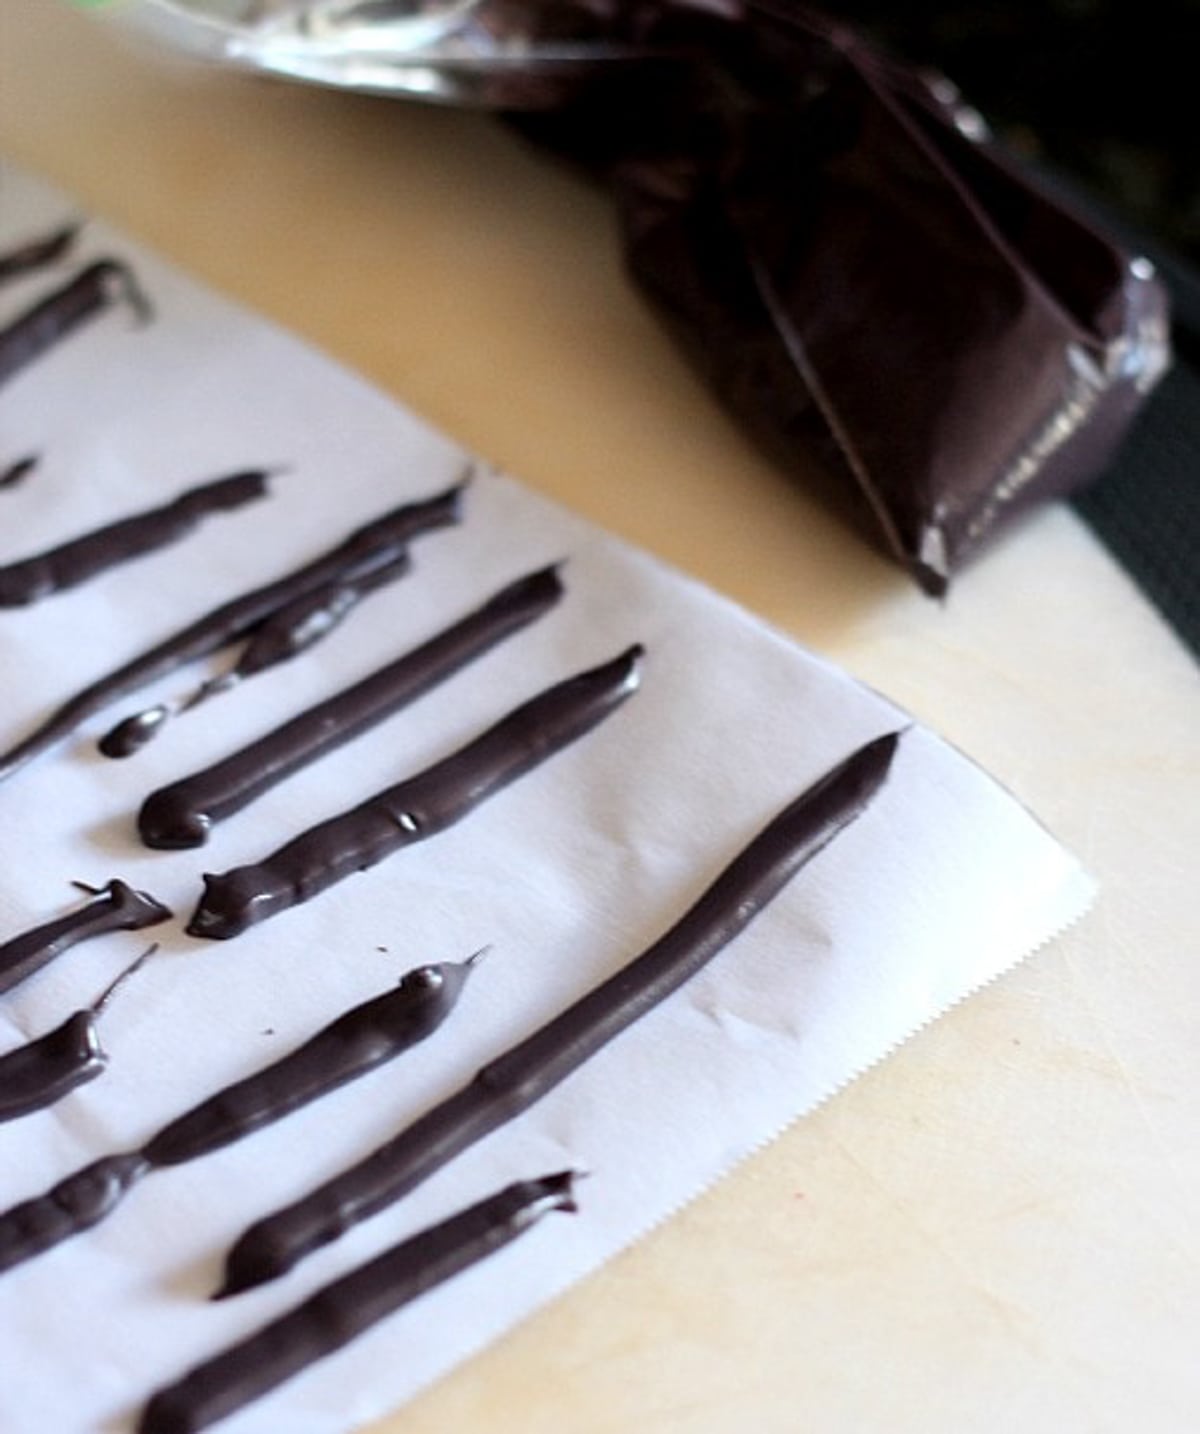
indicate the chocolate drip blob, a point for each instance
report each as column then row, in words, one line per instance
column 338, row 1313
column 357, row 1041
column 37, row 253
column 293, row 629
column 182, row 814
column 41, row 1072
column 51, row 319
column 417, row 808
column 117, row 907
column 377, row 545
column 531, row 1069
column 82, row 558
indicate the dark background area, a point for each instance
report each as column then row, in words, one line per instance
column 1104, row 90
column 1101, row 96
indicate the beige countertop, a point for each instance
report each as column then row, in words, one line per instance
column 996, row 1228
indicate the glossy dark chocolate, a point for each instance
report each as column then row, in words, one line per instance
column 75, row 1204
column 17, row 472
column 905, row 315
column 53, row 318
column 118, row 907
column 513, row 1082
column 338, row 1313
column 37, row 253
column 415, row 809
column 82, row 558
column 39, row 1073
column 182, row 814
column 287, row 633
column 301, row 624
column 356, row 1042
column 376, row 545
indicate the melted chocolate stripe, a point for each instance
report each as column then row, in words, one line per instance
column 75, row 562
column 371, row 547
column 73, row 1205
column 304, row 622
column 338, row 1313
column 356, row 1042
column 117, row 908
column 51, row 319
column 182, row 814
column 37, row 253
column 287, row 633
column 519, row 1078
column 417, row 808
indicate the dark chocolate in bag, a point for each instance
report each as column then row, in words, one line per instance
column 849, row 260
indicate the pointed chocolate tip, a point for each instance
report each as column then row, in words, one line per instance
column 131, row 734
column 872, row 761
column 65, row 236
column 886, row 744
column 557, row 1191
column 452, row 495
column 15, row 472
column 932, row 581
column 551, row 573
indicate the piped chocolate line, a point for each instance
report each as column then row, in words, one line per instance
column 118, row 907
column 37, row 253
column 52, row 319
column 415, row 809
column 75, row 562
column 287, row 633
column 519, row 1078
column 356, row 1042
column 41, row 1072
column 377, row 545
column 338, row 1313
column 182, row 814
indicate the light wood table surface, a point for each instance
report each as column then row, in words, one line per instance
column 994, row 1230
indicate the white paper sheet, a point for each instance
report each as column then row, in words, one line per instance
column 943, row 884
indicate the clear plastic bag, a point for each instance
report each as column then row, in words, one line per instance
column 832, row 236
column 488, row 53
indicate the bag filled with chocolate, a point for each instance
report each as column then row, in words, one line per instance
column 832, row 236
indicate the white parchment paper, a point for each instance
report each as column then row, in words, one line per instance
column 943, row 884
